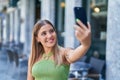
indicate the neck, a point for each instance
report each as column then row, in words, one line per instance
column 48, row 50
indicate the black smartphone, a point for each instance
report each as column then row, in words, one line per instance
column 80, row 14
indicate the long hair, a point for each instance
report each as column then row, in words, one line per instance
column 37, row 49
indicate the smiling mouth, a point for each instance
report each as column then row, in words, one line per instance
column 51, row 41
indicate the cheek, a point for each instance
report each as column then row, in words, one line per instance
column 40, row 39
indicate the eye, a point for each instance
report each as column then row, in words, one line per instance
column 51, row 30
column 43, row 33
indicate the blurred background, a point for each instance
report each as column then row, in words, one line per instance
column 17, row 18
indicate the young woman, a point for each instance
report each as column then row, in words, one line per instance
column 48, row 60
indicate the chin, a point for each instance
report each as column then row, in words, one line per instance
column 52, row 45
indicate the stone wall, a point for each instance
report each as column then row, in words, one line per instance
column 113, row 41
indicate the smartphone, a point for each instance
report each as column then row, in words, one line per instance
column 80, row 14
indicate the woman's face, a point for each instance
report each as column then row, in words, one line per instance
column 47, row 36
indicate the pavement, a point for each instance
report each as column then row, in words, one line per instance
column 9, row 71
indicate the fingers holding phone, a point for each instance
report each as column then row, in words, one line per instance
column 83, row 33
column 82, row 29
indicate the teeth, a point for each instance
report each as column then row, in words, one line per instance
column 50, row 41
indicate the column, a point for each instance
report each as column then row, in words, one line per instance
column 70, row 40
column 12, row 29
column 4, row 29
column 28, row 15
column 0, row 30
column 17, row 25
column 7, row 27
column 113, row 41
column 22, row 6
column 48, row 10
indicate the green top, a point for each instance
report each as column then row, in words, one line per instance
column 47, row 70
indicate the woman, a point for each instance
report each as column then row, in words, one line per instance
column 48, row 60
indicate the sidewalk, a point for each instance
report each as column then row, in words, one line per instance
column 8, row 71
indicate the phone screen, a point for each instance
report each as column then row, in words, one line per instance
column 80, row 14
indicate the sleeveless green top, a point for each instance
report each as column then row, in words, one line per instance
column 47, row 70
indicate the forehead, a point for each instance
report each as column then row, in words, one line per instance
column 45, row 27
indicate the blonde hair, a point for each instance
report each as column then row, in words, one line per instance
column 37, row 49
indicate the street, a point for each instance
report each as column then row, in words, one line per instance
column 8, row 70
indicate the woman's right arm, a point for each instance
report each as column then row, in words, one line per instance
column 29, row 74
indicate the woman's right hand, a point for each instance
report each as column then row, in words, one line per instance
column 83, row 33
